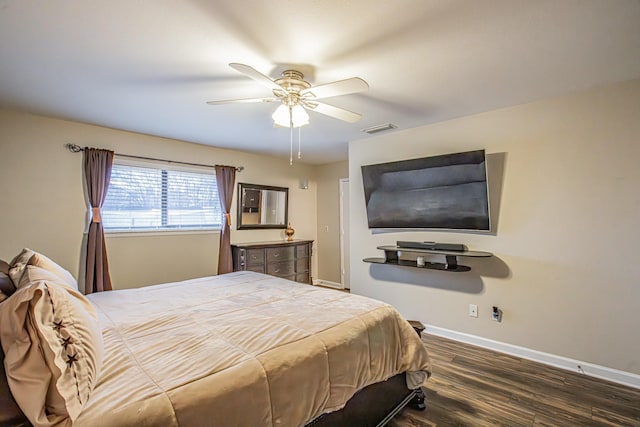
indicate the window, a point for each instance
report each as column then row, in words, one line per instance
column 160, row 198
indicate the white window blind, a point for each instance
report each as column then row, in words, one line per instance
column 157, row 198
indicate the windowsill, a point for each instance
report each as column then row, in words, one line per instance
column 152, row 233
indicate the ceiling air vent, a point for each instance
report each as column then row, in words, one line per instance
column 379, row 128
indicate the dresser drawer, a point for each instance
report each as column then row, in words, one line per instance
column 302, row 265
column 258, row 268
column 280, row 268
column 302, row 251
column 254, row 256
column 280, row 254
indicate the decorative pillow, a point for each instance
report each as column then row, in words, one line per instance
column 18, row 264
column 4, row 267
column 6, row 285
column 53, row 348
column 34, row 273
column 29, row 257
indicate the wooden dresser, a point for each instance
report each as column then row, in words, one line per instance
column 290, row 260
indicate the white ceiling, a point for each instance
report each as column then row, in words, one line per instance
column 149, row 65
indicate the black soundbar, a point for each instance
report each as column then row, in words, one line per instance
column 455, row 247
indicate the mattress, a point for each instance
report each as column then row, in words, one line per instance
column 243, row 349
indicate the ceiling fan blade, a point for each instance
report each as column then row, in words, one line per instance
column 241, row 101
column 340, row 87
column 256, row 75
column 331, row 111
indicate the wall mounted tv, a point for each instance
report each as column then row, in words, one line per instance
column 439, row 192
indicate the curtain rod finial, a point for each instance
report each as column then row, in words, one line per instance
column 73, row 148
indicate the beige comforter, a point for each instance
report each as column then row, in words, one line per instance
column 242, row 349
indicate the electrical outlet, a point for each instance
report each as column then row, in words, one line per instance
column 496, row 313
column 473, row 310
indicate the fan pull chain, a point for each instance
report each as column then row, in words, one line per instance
column 290, row 136
column 299, row 143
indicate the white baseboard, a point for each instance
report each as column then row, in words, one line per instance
column 327, row 283
column 590, row 369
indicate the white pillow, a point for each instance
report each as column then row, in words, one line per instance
column 53, row 348
column 29, row 257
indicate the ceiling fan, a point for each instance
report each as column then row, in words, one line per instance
column 296, row 95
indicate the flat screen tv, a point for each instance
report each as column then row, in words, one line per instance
column 438, row 192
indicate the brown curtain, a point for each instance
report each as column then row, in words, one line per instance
column 226, row 178
column 97, row 174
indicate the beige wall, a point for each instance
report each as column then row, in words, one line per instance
column 328, row 181
column 43, row 206
column 566, row 270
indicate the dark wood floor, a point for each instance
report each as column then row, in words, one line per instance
column 471, row 386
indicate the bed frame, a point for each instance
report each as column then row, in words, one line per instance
column 374, row 405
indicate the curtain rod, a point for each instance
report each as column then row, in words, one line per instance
column 76, row 149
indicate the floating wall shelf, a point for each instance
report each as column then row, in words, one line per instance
column 391, row 257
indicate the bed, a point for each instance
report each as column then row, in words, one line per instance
column 240, row 349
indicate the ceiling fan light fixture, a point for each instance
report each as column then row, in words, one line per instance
column 283, row 117
column 296, row 94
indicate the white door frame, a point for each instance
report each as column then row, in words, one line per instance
column 344, row 228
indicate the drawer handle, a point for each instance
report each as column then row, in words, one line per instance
column 277, row 270
column 276, row 255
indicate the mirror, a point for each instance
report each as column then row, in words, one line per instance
column 261, row 206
